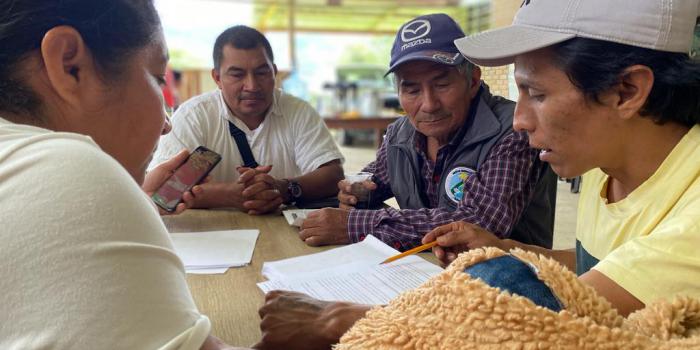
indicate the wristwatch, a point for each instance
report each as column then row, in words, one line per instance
column 293, row 190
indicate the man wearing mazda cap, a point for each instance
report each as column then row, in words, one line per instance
column 454, row 157
column 607, row 88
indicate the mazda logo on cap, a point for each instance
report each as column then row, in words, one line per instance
column 415, row 30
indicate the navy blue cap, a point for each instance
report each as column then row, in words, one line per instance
column 430, row 38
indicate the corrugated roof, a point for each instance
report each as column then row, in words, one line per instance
column 362, row 16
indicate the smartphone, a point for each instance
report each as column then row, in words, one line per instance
column 191, row 172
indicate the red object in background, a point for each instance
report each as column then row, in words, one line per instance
column 169, row 89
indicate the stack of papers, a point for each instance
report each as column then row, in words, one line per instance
column 351, row 273
column 214, row 252
column 296, row 216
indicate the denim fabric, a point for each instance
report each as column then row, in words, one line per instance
column 584, row 261
column 510, row 274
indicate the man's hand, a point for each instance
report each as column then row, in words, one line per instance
column 325, row 226
column 457, row 237
column 345, row 197
column 293, row 320
column 251, row 193
column 160, row 174
column 262, row 193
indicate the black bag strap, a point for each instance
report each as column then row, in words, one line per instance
column 243, row 146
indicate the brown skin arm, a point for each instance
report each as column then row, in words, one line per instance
column 264, row 193
column 621, row 299
column 256, row 192
column 566, row 257
column 260, row 199
column 317, row 184
column 218, row 194
column 293, row 321
column 458, row 237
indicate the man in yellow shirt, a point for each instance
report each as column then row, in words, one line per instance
column 607, row 88
column 621, row 106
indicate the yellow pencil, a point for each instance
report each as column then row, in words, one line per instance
column 410, row 251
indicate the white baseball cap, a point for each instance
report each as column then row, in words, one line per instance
column 664, row 25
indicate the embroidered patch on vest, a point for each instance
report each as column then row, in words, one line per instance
column 454, row 184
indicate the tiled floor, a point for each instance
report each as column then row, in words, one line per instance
column 565, row 221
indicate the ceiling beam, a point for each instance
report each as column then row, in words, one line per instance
column 269, row 12
column 360, row 3
column 331, row 30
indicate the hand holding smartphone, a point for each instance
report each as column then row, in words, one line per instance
column 190, row 173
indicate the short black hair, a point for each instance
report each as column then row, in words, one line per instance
column 177, row 75
column 111, row 29
column 241, row 37
column 594, row 66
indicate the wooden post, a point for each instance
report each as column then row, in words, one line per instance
column 292, row 36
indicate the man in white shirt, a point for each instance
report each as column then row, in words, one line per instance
column 292, row 155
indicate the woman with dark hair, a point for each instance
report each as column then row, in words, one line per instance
column 88, row 263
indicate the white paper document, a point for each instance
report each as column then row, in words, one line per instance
column 295, row 217
column 351, row 273
column 214, row 251
column 370, row 251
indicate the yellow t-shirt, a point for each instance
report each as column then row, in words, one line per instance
column 648, row 243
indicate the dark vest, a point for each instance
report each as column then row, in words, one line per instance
column 489, row 121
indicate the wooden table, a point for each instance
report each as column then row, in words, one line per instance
column 378, row 124
column 231, row 300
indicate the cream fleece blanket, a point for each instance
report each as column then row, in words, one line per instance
column 454, row 311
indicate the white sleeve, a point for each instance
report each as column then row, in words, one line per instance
column 187, row 133
column 314, row 145
column 88, row 263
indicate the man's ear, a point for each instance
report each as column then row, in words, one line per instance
column 216, row 76
column 274, row 69
column 68, row 63
column 632, row 91
column 475, row 82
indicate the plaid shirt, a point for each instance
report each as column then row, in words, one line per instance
column 494, row 197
